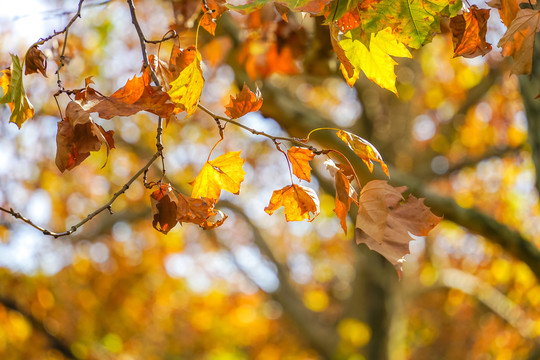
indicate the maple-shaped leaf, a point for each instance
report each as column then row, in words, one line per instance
column 339, row 8
column 164, row 208
column 77, row 136
column 518, row 41
column 385, row 220
column 246, row 101
column 310, row 6
column 35, row 61
column 508, row 10
column 413, row 22
column 469, row 33
column 223, row 173
column 345, row 193
column 346, row 65
column 371, row 53
column 186, row 89
column 363, row 149
column 199, row 211
column 300, row 203
column 300, row 158
column 137, row 95
column 209, row 19
column 11, row 82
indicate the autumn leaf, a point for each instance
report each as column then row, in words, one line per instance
column 339, row 8
column 363, row 149
column 413, row 22
column 508, row 10
column 300, row 203
column 469, row 33
column 385, row 220
column 209, row 19
column 199, row 211
column 372, row 53
column 164, row 208
column 223, row 173
column 14, row 94
column 186, row 89
column 300, row 158
column 35, row 61
column 518, row 41
column 77, row 136
column 246, row 101
column 346, row 65
column 309, row 6
column 345, row 193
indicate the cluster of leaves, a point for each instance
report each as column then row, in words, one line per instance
column 365, row 36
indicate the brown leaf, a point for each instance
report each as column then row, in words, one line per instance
column 349, row 68
column 77, row 136
column 164, row 208
column 384, row 220
column 300, row 158
column 363, row 149
column 469, row 33
column 299, row 202
column 246, row 101
column 35, row 61
column 345, row 193
column 199, row 211
column 518, row 41
column 508, row 10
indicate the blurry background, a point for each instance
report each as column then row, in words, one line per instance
column 258, row 287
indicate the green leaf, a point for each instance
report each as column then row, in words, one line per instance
column 372, row 53
column 310, row 6
column 15, row 96
column 340, row 8
column 413, row 21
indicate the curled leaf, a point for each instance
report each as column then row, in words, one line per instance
column 246, row 101
column 11, row 82
column 223, row 173
column 363, row 149
column 300, row 203
column 469, row 33
column 385, row 219
column 199, row 211
column 345, row 193
column 300, row 158
column 35, row 61
column 164, row 208
column 186, row 89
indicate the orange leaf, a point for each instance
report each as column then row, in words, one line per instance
column 299, row 202
column 164, row 208
column 343, row 59
column 216, row 8
column 199, row 211
column 246, row 101
column 363, row 149
column 77, row 136
column 300, row 158
column 384, row 220
column 469, row 33
column 345, row 193
column 35, row 61
column 508, row 10
column 223, row 173
column 518, row 41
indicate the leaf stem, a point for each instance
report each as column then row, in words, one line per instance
column 348, row 162
column 317, row 129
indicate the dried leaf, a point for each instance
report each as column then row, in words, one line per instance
column 299, row 202
column 246, row 101
column 223, row 173
column 384, row 220
column 518, row 41
column 300, row 158
column 508, row 10
column 77, row 136
column 209, row 19
column 345, row 63
column 363, row 149
column 187, row 88
column 345, row 193
column 164, row 208
column 35, row 61
column 199, row 211
column 469, row 33
column 14, row 94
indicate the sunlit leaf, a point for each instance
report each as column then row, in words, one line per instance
column 15, row 96
column 310, row 6
column 164, row 208
column 199, row 211
column 508, row 10
column 223, row 173
column 300, row 158
column 345, row 193
column 469, row 33
column 363, row 149
column 246, row 101
column 385, row 219
column 300, row 203
column 187, row 88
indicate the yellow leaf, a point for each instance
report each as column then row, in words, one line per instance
column 300, row 203
column 187, row 88
column 223, row 173
column 372, row 53
column 14, row 94
column 363, row 149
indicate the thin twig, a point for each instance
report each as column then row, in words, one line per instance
column 56, row 33
column 107, row 206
